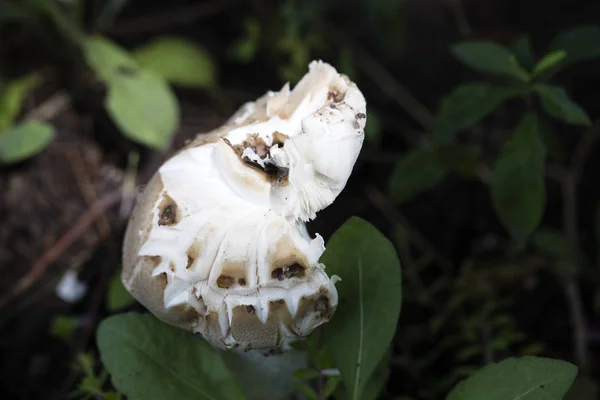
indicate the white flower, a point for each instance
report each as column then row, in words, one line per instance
column 217, row 242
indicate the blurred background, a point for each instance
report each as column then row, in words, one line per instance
column 494, row 217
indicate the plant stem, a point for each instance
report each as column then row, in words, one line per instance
column 570, row 181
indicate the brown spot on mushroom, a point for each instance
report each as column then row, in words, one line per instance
column 155, row 260
column 335, row 94
column 355, row 124
column 278, row 274
column 360, row 116
column 294, row 270
column 172, row 267
column 193, row 253
column 322, row 306
column 224, row 281
column 168, row 212
column 242, row 282
column 279, row 138
column 250, row 309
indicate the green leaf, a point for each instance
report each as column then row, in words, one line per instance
column 489, row 58
column 523, row 51
column 557, row 103
column 179, row 61
column 580, row 44
column 139, row 101
column 517, row 186
column 24, row 140
column 112, row 396
column 468, row 104
column 117, row 297
column 148, row 359
column 526, row 378
column 363, row 326
column 549, row 63
column 331, row 385
column 63, row 327
column 419, row 171
column 305, row 374
column 12, row 98
column 305, row 389
column 245, row 49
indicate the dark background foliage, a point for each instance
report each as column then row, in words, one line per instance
column 472, row 293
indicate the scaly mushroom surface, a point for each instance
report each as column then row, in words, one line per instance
column 217, row 242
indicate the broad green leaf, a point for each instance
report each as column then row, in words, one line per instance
column 557, row 103
column 489, row 58
column 580, row 44
column 517, row 186
column 523, row 51
column 24, row 140
column 569, row 259
column 179, row 61
column 139, row 101
column 419, row 171
column 468, row 104
column 525, row 378
column 12, row 97
column 358, row 335
column 117, row 297
column 148, row 359
column 549, row 63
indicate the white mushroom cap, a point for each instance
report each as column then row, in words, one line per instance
column 217, row 242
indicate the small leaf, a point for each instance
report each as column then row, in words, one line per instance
column 112, row 396
column 331, row 385
column 517, row 186
column 419, row 171
column 551, row 61
column 360, row 332
column 305, row 374
column 305, row 389
column 245, row 49
column 580, row 44
column 140, row 102
column 523, row 51
column 117, row 296
column 179, row 61
column 489, row 58
column 557, row 103
column 468, row 104
column 24, row 140
column 148, row 359
column 63, row 327
column 12, row 98
column 525, row 378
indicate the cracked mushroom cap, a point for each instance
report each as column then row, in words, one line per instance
column 217, row 242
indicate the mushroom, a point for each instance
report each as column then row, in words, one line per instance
column 217, row 242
